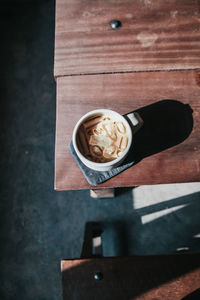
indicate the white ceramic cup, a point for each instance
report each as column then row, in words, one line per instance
column 135, row 121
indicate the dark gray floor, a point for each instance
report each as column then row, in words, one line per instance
column 38, row 226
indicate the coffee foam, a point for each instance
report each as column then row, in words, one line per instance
column 102, row 139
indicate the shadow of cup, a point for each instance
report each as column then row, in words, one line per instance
column 166, row 124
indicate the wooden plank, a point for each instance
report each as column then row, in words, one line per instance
column 170, row 277
column 102, row 193
column 177, row 161
column 155, row 35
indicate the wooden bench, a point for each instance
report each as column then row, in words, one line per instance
column 171, row 277
column 152, row 57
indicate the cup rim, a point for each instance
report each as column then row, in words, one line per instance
column 82, row 157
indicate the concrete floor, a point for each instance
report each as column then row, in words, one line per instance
column 38, row 226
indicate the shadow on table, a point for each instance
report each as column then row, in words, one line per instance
column 193, row 296
column 148, row 277
column 166, row 124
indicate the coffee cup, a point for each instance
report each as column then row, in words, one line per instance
column 102, row 138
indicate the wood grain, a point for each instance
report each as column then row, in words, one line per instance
column 171, row 277
column 155, row 35
column 123, row 93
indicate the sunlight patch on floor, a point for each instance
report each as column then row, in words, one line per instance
column 144, row 196
column 153, row 216
column 197, row 236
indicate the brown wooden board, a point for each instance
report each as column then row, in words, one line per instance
column 155, row 35
column 172, row 277
column 168, row 144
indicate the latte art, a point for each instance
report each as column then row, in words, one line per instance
column 102, row 138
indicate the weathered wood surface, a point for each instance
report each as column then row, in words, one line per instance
column 171, row 277
column 177, row 161
column 155, row 35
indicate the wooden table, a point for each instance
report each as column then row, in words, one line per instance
column 154, row 56
column 175, row 276
column 171, row 277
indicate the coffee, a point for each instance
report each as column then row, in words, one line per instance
column 102, row 138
